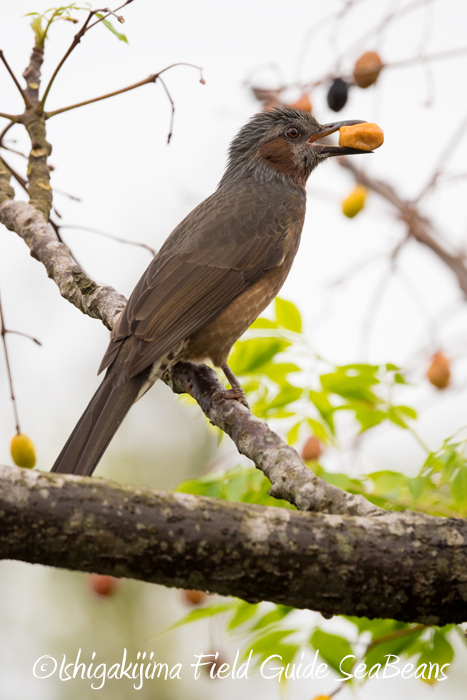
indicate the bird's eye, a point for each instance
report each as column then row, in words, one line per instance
column 292, row 132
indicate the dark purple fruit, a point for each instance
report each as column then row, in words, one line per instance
column 337, row 94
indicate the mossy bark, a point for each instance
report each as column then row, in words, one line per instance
column 405, row 566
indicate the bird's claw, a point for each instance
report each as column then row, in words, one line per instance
column 237, row 394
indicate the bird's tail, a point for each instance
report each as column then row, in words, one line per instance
column 98, row 424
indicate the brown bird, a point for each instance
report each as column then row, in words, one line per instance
column 214, row 275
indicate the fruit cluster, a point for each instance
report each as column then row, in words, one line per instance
column 365, row 73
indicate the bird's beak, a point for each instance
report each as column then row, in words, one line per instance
column 328, row 149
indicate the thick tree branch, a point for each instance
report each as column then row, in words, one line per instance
column 405, row 566
column 39, row 189
column 90, row 298
column 418, row 226
column 290, row 478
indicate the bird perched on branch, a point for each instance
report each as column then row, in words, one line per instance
column 214, row 275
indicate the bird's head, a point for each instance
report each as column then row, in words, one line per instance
column 283, row 143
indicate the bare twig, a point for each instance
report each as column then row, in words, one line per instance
column 76, row 40
column 109, row 235
column 10, row 117
column 19, row 179
column 404, row 632
column 13, row 150
column 418, row 227
column 173, row 109
column 440, row 55
column 67, row 194
column 25, row 335
column 3, row 332
column 150, row 79
column 109, row 13
column 7, row 66
column 6, row 130
column 444, row 157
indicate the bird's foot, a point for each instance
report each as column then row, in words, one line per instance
column 237, row 394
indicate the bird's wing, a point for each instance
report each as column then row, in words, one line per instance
column 223, row 247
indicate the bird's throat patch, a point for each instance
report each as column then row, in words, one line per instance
column 277, row 154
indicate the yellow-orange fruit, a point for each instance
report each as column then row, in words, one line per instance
column 354, row 202
column 304, row 103
column 312, row 449
column 322, row 697
column 367, row 69
column 439, row 372
column 22, row 451
column 366, row 137
column 105, row 586
column 194, row 597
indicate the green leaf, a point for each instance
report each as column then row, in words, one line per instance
column 352, row 382
column 342, row 481
column 249, row 356
column 277, row 371
column 332, row 649
column 418, row 487
column 287, row 652
column 395, row 417
column 110, row 27
column 273, row 616
column 325, row 408
column 202, row 614
column 434, row 653
column 388, row 483
column 407, row 411
column 319, row 430
column 267, row 643
column 244, row 612
column 459, row 486
column 288, row 316
column 263, row 323
column 376, row 654
column 285, row 397
column 292, row 434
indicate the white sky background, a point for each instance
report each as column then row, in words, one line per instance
column 114, row 156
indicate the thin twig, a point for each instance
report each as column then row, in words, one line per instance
column 10, row 117
column 173, row 109
column 109, row 235
column 461, row 51
column 3, row 332
column 76, row 40
column 119, row 18
column 67, row 194
column 25, row 335
column 396, row 635
column 6, row 130
column 13, row 150
column 21, row 180
column 109, row 12
column 150, row 79
column 451, row 144
column 7, row 66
